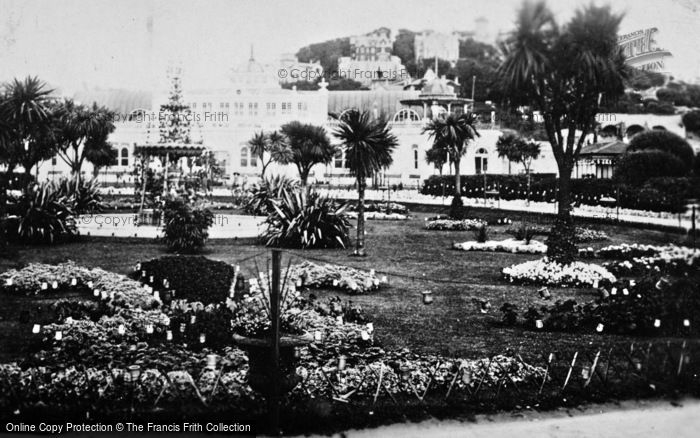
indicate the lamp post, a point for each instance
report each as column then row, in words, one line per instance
column 692, row 205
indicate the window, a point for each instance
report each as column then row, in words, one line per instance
column 406, row 115
column 271, row 108
column 54, row 161
column 125, row 157
column 252, row 108
column 415, row 157
column 338, row 161
column 301, row 106
column 481, row 161
column 244, row 157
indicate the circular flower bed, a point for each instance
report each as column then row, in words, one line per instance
column 548, row 272
column 508, row 245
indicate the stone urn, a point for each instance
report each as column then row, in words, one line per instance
column 261, row 371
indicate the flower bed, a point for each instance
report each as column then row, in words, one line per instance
column 625, row 251
column 115, row 290
column 194, row 278
column 584, row 235
column 83, row 366
column 454, row 225
column 548, row 272
column 673, row 260
column 334, row 277
column 380, row 216
column 647, row 308
column 508, row 245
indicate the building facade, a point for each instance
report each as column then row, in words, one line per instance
column 430, row 44
column 371, row 59
column 226, row 118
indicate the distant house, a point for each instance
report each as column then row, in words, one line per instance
column 598, row 160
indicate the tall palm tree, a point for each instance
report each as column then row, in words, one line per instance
column 564, row 74
column 453, row 133
column 368, row 147
column 309, row 145
column 26, row 115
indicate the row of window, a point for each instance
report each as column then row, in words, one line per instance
column 240, row 107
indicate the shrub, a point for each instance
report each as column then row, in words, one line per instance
column 665, row 141
column 561, row 243
column 306, row 220
column 194, row 278
column 271, row 188
column 524, row 232
column 41, row 214
column 587, row 191
column 691, row 121
column 481, row 234
column 185, row 228
column 457, row 209
column 85, row 198
column 637, row 167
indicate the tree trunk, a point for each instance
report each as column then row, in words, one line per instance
column 564, row 194
column 144, row 164
column 560, row 244
column 165, row 174
column 458, row 182
column 527, row 198
column 304, row 176
column 360, row 240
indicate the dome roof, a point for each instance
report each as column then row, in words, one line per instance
column 253, row 74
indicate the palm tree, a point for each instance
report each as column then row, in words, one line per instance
column 436, row 156
column 273, row 146
column 563, row 74
column 452, row 133
column 309, row 145
column 368, row 147
column 258, row 146
column 26, row 115
column 83, row 134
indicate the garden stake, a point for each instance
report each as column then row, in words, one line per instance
column 595, row 363
column 680, row 359
column 568, row 375
column 379, row 383
column 432, row 376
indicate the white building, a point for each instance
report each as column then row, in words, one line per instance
column 226, row 119
column 430, row 44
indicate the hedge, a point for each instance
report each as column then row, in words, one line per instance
column 657, row 194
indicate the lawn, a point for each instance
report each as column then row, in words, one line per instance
column 414, row 260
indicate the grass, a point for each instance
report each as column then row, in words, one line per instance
column 414, row 259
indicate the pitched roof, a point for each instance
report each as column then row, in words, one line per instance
column 611, row 148
column 119, row 101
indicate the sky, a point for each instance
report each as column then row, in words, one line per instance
column 77, row 44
